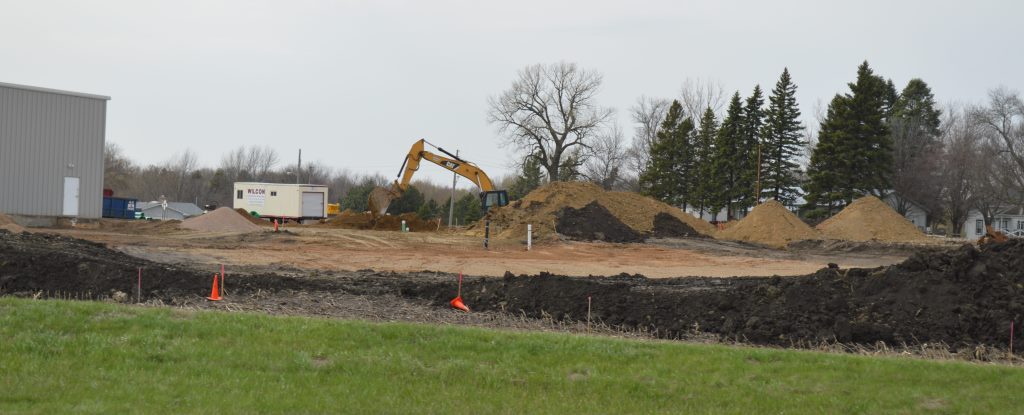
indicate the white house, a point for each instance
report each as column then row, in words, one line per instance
column 915, row 213
column 1009, row 220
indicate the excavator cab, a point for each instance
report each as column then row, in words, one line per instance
column 493, row 198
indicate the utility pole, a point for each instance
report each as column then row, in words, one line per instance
column 298, row 168
column 451, row 205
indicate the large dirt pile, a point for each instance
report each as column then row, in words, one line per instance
column 771, row 224
column 594, row 223
column 223, row 219
column 542, row 206
column 350, row 219
column 962, row 297
column 869, row 218
column 8, row 224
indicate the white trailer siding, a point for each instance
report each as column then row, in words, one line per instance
column 277, row 200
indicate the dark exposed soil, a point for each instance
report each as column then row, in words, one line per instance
column 668, row 226
column 594, row 222
column 962, row 297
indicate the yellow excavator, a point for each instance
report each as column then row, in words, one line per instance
column 381, row 197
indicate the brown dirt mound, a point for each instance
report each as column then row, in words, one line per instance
column 248, row 216
column 541, row 206
column 350, row 219
column 223, row 219
column 869, row 218
column 771, row 224
column 668, row 226
column 594, row 223
column 7, row 223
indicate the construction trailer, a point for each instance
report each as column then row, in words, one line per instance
column 295, row 202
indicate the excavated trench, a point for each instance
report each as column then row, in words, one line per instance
column 962, row 297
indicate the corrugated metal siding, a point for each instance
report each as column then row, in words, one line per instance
column 41, row 134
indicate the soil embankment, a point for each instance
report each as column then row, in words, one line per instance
column 962, row 297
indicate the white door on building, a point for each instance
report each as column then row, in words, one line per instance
column 70, row 196
column 312, row 204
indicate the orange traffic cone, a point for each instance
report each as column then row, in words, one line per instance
column 215, row 293
column 457, row 301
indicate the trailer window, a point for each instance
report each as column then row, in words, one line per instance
column 978, row 224
column 238, row 195
column 273, row 193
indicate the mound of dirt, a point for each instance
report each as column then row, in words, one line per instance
column 869, row 218
column 350, row 219
column 541, row 206
column 962, row 297
column 8, row 224
column 770, row 224
column 223, row 219
column 668, row 226
column 248, row 216
column 594, row 223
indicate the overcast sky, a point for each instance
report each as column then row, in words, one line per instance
column 354, row 83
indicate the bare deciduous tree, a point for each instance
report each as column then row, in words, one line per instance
column 117, row 169
column 962, row 136
column 696, row 95
column 607, row 159
column 1003, row 119
column 249, row 163
column 647, row 113
column 550, row 111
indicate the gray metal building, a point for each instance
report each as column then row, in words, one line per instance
column 51, row 152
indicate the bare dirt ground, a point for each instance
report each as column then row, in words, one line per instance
column 334, row 249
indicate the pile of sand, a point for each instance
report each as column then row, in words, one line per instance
column 771, row 224
column 8, row 224
column 248, row 216
column 869, row 218
column 223, row 219
column 541, row 206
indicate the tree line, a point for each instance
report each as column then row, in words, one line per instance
column 874, row 139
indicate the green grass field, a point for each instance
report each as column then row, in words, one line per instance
column 58, row 357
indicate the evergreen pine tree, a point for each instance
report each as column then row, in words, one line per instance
column 856, row 150
column 667, row 177
column 703, row 175
column 729, row 157
column 530, row 178
column 781, row 143
column 753, row 121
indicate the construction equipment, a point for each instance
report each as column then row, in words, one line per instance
column 381, row 197
column 992, row 236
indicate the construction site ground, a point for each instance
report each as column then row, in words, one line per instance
column 338, row 249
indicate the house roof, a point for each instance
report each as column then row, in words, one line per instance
column 184, row 208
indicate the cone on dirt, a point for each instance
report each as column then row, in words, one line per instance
column 215, row 293
column 457, row 301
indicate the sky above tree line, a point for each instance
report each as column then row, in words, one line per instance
column 355, row 83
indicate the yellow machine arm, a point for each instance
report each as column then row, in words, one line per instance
column 380, row 198
column 461, row 167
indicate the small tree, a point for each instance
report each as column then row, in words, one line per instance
column 356, row 198
column 529, row 178
column 410, row 200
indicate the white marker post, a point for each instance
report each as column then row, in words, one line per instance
column 529, row 236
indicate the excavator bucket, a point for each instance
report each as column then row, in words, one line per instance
column 380, row 199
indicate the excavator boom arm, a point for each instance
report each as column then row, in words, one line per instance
column 461, row 167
